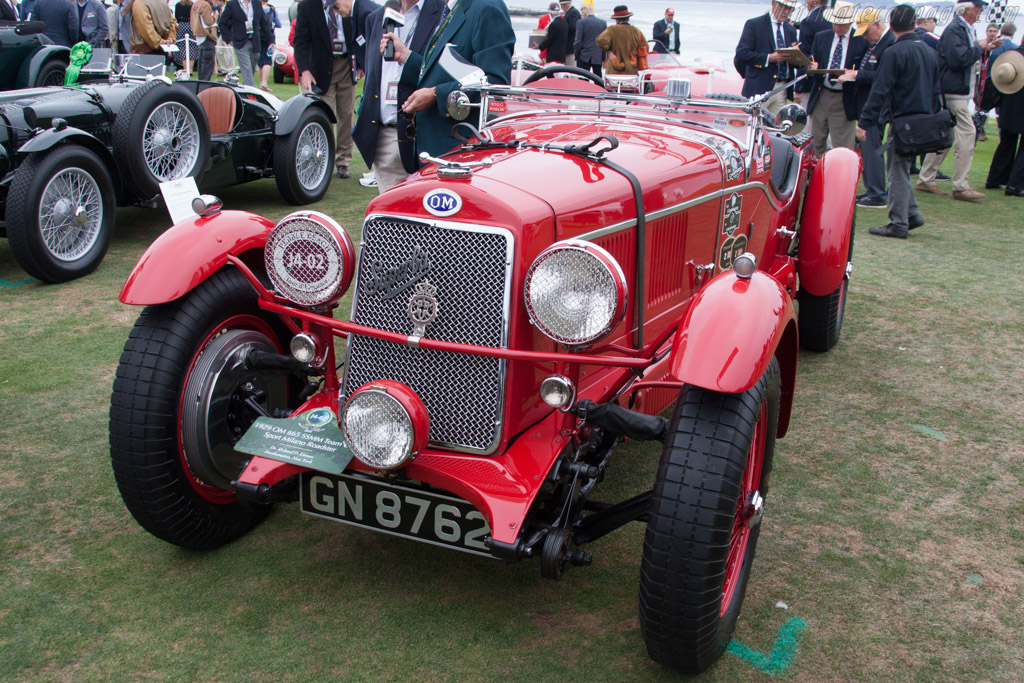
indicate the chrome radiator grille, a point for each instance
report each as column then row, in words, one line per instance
column 470, row 267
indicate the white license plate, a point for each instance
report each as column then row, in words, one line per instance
column 411, row 512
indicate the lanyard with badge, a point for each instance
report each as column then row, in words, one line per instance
column 436, row 37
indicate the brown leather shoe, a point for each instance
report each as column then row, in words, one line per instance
column 968, row 195
column 929, row 187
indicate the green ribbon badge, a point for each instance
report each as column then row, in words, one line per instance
column 80, row 55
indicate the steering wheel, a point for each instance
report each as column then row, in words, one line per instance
column 552, row 69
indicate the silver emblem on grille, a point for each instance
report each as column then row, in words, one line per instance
column 422, row 307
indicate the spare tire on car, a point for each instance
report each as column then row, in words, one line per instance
column 160, row 134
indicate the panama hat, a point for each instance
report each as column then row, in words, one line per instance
column 866, row 17
column 787, row 3
column 840, row 13
column 1008, row 72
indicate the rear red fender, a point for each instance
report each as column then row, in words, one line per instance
column 730, row 333
column 190, row 252
column 825, row 229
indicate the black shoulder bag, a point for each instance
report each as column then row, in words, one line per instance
column 917, row 134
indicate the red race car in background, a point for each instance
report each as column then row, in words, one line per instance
column 519, row 308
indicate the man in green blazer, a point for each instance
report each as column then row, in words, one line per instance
column 481, row 32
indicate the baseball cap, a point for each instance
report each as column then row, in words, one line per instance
column 866, row 17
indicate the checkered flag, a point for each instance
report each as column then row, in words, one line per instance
column 999, row 12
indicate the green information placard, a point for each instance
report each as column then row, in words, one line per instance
column 311, row 439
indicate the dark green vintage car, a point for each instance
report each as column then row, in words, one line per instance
column 28, row 59
column 70, row 155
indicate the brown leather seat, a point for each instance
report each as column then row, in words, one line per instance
column 220, row 105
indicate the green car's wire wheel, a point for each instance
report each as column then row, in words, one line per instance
column 160, row 134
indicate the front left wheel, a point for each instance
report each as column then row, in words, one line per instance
column 704, row 520
column 60, row 213
column 304, row 159
column 183, row 395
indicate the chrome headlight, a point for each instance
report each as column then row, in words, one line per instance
column 385, row 424
column 309, row 258
column 575, row 292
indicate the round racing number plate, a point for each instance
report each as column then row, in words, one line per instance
column 307, row 260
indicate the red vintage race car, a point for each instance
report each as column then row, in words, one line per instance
column 519, row 308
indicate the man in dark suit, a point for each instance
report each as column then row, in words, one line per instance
column 329, row 52
column 382, row 127
column 481, row 32
column 556, row 43
column 764, row 68
column 666, row 31
column 832, row 102
column 810, row 25
column 245, row 27
column 588, row 55
column 7, row 11
column 60, row 18
column 906, row 84
column 1008, row 161
column 871, row 25
column 572, row 18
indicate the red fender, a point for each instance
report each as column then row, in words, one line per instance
column 191, row 251
column 825, row 229
column 729, row 334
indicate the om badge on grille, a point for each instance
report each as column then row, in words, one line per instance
column 422, row 307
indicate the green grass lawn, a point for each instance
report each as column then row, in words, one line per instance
column 893, row 531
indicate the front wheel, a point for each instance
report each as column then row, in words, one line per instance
column 51, row 73
column 304, row 158
column 183, row 396
column 704, row 520
column 60, row 213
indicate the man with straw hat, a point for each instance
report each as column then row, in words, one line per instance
column 905, row 85
column 872, row 26
column 1007, row 167
column 757, row 52
column 832, row 102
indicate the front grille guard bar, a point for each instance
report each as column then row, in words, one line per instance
column 271, row 302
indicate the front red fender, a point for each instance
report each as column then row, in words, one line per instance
column 825, row 229
column 190, row 252
column 730, row 333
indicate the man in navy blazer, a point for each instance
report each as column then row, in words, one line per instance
column 481, row 32
column 331, row 67
column 871, row 24
column 245, row 27
column 832, row 101
column 809, row 26
column 381, row 131
column 589, row 55
column 764, row 68
column 61, row 20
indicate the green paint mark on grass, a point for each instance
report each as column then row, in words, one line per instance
column 928, row 431
column 19, row 283
column 783, row 651
column 974, row 579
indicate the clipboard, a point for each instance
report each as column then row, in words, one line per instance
column 826, row 72
column 796, row 55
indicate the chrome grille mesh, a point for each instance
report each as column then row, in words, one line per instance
column 469, row 268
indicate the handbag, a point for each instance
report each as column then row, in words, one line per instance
column 918, row 134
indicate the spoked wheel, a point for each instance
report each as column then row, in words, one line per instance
column 182, row 398
column 160, row 134
column 704, row 521
column 303, row 160
column 60, row 213
column 51, row 74
column 820, row 320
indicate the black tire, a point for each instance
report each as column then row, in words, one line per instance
column 161, row 133
column 60, row 213
column 820, row 318
column 304, row 159
column 183, row 360
column 51, row 73
column 278, row 75
column 700, row 545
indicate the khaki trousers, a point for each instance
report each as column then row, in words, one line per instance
column 963, row 148
column 341, row 98
column 776, row 102
column 829, row 118
column 387, row 162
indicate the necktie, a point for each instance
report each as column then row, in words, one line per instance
column 444, row 13
column 867, row 55
column 780, row 42
column 837, row 55
column 332, row 29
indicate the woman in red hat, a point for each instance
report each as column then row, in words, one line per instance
column 625, row 44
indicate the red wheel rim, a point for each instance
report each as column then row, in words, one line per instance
column 745, row 511
column 209, row 493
